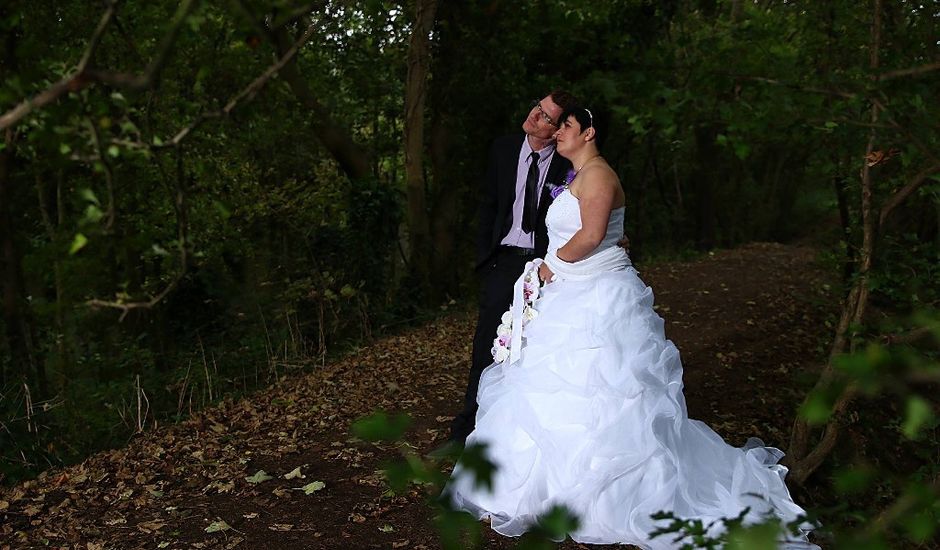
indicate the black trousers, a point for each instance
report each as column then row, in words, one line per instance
column 495, row 298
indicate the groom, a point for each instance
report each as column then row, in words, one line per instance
column 512, row 228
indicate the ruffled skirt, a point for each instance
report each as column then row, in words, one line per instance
column 592, row 417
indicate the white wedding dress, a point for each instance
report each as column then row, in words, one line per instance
column 591, row 416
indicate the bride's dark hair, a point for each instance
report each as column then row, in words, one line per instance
column 589, row 118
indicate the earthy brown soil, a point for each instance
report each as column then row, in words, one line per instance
column 751, row 324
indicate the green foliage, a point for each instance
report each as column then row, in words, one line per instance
column 731, row 533
column 381, row 427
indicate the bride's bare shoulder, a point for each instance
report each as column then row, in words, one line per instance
column 601, row 174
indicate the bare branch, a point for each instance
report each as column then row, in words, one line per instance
column 298, row 13
column 910, row 337
column 150, row 74
column 179, row 204
column 179, row 200
column 253, row 20
column 245, row 95
column 95, row 40
column 126, row 307
column 775, row 82
column 108, row 171
column 902, row 194
column 901, row 507
column 84, row 75
column 911, row 71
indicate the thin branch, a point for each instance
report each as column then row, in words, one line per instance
column 812, row 89
column 902, row 194
column 44, row 209
column 108, row 171
column 247, row 94
column 84, row 75
column 179, row 204
column 179, row 201
column 909, row 337
column 95, row 39
column 911, row 71
column 252, row 20
column 70, row 83
column 901, row 507
column 150, row 74
column 300, row 12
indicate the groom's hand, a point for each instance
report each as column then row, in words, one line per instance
column 545, row 274
column 624, row 243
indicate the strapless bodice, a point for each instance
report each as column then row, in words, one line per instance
column 564, row 220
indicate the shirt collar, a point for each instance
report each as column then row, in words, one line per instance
column 544, row 154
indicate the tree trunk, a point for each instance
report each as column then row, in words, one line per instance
column 353, row 160
column 803, row 459
column 446, row 209
column 18, row 325
column 737, row 8
column 706, row 153
column 419, row 232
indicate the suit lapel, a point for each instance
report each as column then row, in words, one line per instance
column 507, row 172
column 556, row 169
column 555, row 176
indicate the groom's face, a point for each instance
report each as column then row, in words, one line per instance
column 542, row 119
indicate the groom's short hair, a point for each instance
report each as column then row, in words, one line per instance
column 563, row 99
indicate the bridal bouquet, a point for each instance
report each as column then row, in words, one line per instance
column 509, row 332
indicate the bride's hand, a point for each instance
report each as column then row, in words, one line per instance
column 545, row 274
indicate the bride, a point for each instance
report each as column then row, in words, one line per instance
column 584, row 405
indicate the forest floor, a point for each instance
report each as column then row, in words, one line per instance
column 751, row 323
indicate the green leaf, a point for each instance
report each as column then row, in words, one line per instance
column 853, row 480
column 475, row 462
column 558, row 522
column 762, row 536
column 89, row 196
column 381, row 427
column 114, row 151
column 742, row 150
column 93, row 214
column 217, row 526
column 458, row 530
column 920, row 527
column 259, row 476
column 223, row 210
column 78, row 243
column 817, row 408
column 312, row 487
column 918, row 413
column 64, row 148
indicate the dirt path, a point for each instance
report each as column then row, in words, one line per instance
column 750, row 324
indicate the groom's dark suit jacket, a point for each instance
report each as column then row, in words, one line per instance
column 499, row 271
column 499, row 192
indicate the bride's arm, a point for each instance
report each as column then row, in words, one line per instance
column 596, row 195
column 597, row 192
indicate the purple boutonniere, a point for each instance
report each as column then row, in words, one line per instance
column 559, row 189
